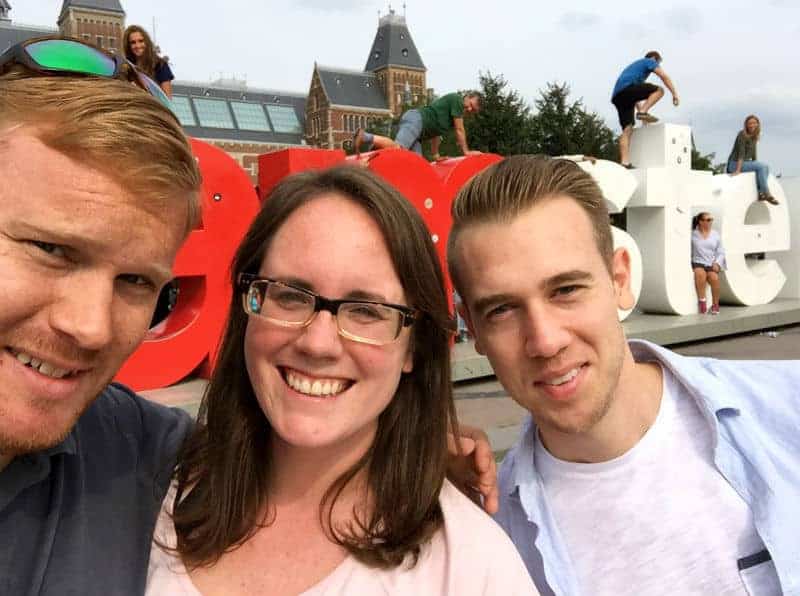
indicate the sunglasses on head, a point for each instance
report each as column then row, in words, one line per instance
column 60, row 56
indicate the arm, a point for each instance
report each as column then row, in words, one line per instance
column 166, row 87
column 435, row 142
column 461, row 137
column 668, row 82
column 719, row 259
column 472, row 467
column 738, row 151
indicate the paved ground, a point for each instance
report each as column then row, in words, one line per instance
column 484, row 403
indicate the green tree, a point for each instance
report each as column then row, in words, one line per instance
column 503, row 125
column 705, row 162
column 561, row 127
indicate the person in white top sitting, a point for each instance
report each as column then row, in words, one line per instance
column 318, row 462
column 708, row 259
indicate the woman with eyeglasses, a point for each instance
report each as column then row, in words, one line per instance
column 743, row 157
column 708, row 259
column 318, row 463
column 140, row 50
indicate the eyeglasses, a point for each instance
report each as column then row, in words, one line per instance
column 60, row 56
column 365, row 321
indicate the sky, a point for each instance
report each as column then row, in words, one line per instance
column 727, row 58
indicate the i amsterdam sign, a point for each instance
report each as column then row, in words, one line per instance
column 659, row 197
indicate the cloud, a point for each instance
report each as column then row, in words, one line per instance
column 578, row 21
column 682, row 21
column 633, row 31
column 340, row 6
column 715, row 125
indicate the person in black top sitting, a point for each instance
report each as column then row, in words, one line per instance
column 140, row 50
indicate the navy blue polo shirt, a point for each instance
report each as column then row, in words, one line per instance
column 78, row 518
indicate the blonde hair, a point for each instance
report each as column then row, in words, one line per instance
column 757, row 134
column 508, row 188
column 110, row 125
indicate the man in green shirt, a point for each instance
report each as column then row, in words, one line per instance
column 428, row 122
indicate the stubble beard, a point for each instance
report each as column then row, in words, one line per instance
column 46, row 435
column 600, row 404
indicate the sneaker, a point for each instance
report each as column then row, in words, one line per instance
column 701, row 306
column 770, row 199
column 645, row 117
column 715, row 309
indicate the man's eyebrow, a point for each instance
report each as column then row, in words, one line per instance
column 484, row 302
column 79, row 242
column 566, row 277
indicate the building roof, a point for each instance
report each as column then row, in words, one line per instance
column 240, row 113
column 13, row 33
column 345, row 87
column 103, row 5
column 393, row 45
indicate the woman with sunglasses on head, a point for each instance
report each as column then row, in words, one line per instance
column 318, row 463
column 140, row 50
column 708, row 259
column 743, row 157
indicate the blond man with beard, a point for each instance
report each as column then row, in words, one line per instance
column 99, row 189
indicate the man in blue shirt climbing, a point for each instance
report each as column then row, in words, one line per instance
column 632, row 95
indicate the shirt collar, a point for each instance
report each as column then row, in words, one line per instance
column 68, row 446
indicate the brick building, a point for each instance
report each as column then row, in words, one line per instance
column 245, row 121
column 100, row 22
column 341, row 100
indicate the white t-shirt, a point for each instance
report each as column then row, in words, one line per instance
column 659, row 519
column 470, row 556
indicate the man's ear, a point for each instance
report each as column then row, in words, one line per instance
column 463, row 311
column 621, row 277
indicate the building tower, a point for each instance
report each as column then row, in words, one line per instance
column 100, row 22
column 396, row 63
column 5, row 9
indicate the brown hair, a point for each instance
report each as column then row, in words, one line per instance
column 654, row 55
column 757, row 134
column 696, row 219
column 506, row 189
column 148, row 62
column 223, row 471
column 109, row 124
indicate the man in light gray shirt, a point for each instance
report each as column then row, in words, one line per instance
column 639, row 471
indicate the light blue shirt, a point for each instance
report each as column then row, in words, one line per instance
column 753, row 409
column 707, row 251
column 634, row 74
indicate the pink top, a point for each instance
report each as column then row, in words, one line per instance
column 469, row 556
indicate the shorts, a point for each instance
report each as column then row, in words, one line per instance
column 703, row 267
column 625, row 101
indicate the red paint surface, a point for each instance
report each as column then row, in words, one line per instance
column 187, row 341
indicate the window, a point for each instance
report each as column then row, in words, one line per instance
column 112, row 43
column 183, row 110
column 85, row 37
column 284, row 119
column 404, row 51
column 213, row 113
column 99, row 41
column 250, row 116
